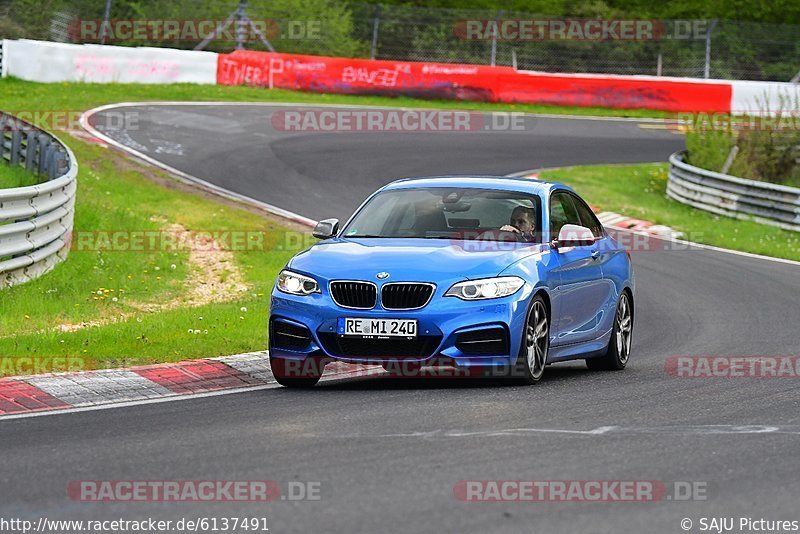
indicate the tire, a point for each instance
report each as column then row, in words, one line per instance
column 619, row 346
column 296, row 374
column 535, row 345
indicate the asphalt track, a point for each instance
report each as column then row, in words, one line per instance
column 388, row 452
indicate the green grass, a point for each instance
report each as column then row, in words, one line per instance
column 20, row 95
column 115, row 195
column 640, row 191
column 16, row 176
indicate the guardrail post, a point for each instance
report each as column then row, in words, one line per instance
column 44, row 148
column 16, row 144
column 30, row 151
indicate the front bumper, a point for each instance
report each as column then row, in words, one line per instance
column 448, row 328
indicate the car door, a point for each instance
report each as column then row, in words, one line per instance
column 605, row 252
column 582, row 292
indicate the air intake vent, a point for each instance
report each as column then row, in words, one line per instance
column 290, row 336
column 356, row 295
column 417, row 348
column 406, row 296
column 487, row 341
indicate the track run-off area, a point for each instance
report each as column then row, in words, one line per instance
column 389, row 454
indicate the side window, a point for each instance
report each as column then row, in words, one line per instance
column 588, row 218
column 562, row 211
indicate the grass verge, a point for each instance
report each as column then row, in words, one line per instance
column 640, row 191
column 19, row 95
column 16, row 176
column 121, row 303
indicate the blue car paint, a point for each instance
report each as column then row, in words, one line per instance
column 582, row 284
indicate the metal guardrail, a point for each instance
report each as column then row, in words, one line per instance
column 763, row 202
column 35, row 221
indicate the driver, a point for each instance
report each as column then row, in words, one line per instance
column 521, row 223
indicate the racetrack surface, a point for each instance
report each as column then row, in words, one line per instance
column 388, row 452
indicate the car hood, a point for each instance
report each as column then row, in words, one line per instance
column 423, row 260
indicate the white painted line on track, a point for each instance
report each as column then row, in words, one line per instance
column 179, row 397
column 188, row 178
column 173, row 397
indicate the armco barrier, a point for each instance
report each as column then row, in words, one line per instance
column 722, row 194
column 469, row 82
column 43, row 61
column 35, row 221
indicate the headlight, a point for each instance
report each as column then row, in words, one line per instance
column 488, row 288
column 297, row 284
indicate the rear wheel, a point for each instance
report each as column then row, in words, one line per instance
column 619, row 346
column 296, row 373
column 535, row 343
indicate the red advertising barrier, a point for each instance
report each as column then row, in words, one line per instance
column 466, row 82
column 358, row 76
column 628, row 92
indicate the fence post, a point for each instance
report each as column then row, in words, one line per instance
column 376, row 21
column 241, row 21
column 493, row 60
column 659, row 65
column 104, row 29
column 707, row 73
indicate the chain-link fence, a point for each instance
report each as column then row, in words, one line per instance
column 716, row 49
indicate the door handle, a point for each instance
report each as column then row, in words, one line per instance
column 595, row 254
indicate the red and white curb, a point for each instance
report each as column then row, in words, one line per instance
column 38, row 394
column 609, row 219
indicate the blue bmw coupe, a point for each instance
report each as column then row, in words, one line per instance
column 505, row 275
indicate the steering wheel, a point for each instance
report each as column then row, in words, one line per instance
column 502, row 235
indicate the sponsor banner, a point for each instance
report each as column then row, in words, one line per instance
column 626, row 92
column 357, row 76
column 468, row 82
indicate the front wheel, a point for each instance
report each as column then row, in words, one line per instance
column 296, row 373
column 619, row 346
column 535, row 343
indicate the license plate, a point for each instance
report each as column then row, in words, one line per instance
column 377, row 328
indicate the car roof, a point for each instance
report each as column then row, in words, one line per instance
column 501, row 183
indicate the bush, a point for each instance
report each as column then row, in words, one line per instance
column 768, row 146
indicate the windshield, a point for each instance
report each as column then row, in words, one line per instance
column 449, row 213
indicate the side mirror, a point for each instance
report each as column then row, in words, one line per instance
column 572, row 235
column 325, row 229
